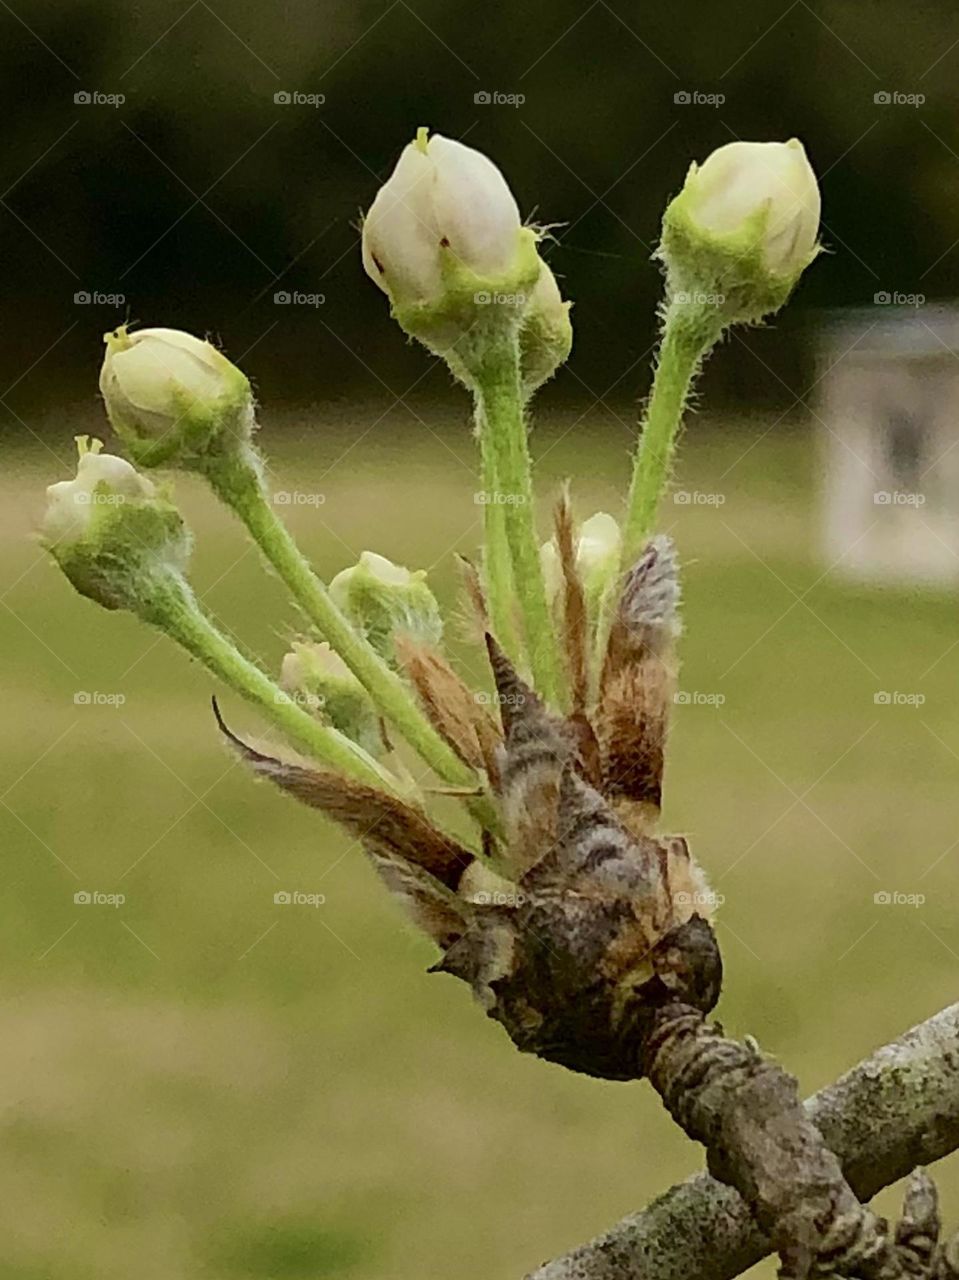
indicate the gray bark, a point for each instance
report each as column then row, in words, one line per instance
column 894, row 1111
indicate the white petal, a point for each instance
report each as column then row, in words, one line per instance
column 401, row 241
column 474, row 207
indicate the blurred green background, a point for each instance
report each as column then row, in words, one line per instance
column 200, row 1083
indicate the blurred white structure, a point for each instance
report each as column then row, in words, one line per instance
column 888, row 408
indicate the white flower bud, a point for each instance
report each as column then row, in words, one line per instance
column 164, row 385
column 598, row 545
column 739, row 235
column 443, row 204
column 101, row 479
column 768, row 188
column 112, row 532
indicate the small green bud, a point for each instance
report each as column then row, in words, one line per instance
column 546, row 338
column 742, row 230
column 318, row 678
column 384, row 600
column 111, row 530
column 170, row 395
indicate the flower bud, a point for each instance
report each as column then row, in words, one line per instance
column 547, row 335
column 315, row 675
column 110, row 528
column 598, row 545
column 443, row 239
column 384, row 600
column 743, row 228
column 168, row 393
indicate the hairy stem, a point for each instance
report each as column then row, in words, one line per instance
column 237, row 482
column 172, row 607
column 689, row 330
column 498, row 572
column 498, row 386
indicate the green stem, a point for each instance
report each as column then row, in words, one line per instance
column 496, row 556
column 689, row 330
column 235, row 478
column 171, row 606
column 496, row 378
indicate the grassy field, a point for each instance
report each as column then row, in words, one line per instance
column 199, row 1083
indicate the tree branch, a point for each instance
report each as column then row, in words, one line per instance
column 894, row 1111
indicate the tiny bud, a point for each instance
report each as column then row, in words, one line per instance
column 110, row 528
column 315, row 675
column 168, row 393
column 384, row 600
column 743, row 228
column 598, row 545
column 547, row 335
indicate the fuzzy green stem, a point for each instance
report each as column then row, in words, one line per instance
column 496, row 555
column 689, row 330
column 170, row 605
column 498, row 385
column 235, row 478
